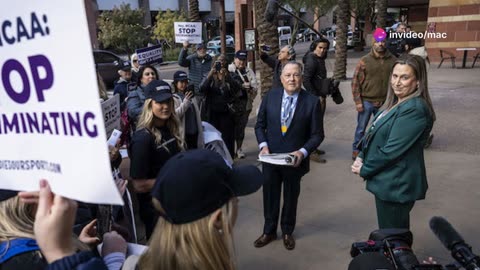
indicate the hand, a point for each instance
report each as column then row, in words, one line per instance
column 359, row 107
column 114, row 152
column 53, row 224
column 356, row 167
column 186, row 44
column 264, row 151
column 358, row 161
column 429, row 261
column 299, row 159
column 121, row 185
column 143, row 185
column 88, row 235
column 29, row 197
column 188, row 95
column 113, row 242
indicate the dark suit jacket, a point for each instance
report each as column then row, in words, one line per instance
column 393, row 162
column 305, row 130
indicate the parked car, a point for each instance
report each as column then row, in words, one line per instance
column 214, row 51
column 300, row 33
column 284, row 35
column 349, row 40
column 107, row 64
column 217, row 42
column 307, row 35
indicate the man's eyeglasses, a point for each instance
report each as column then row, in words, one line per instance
column 149, row 73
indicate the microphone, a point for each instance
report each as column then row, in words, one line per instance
column 452, row 240
column 271, row 10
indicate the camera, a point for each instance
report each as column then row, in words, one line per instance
column 191, row 89
column 266, row 48
column 393, row 244
column 218, row 66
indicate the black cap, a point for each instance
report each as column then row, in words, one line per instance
column 125, row 66
column 7, row 194
column 242, row 55
column 158, row 90
column 193, row 184
column 180, row 76
column 200, row 46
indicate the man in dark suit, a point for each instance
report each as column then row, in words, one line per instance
column 289, row 121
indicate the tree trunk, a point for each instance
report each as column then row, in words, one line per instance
column 343, row 19
column 193, row 11
column 381, row 6
column 267, row 34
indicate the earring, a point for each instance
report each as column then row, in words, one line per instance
column 220, row 231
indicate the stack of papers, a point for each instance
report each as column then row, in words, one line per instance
column 278, row 159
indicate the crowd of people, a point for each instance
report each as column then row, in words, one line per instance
column 187, row 195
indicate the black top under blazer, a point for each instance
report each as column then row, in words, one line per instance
column 305, row 130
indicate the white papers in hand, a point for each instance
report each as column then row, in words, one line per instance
column 284, row 159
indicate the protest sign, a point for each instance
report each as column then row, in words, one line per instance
column 188, row 31
column 150, row 55
column 111, row 114
column 51, row 123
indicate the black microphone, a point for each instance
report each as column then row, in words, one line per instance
column 452, row 240
column 271, row 10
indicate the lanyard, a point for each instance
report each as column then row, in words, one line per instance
column 286, row 115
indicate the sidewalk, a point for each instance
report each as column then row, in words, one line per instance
column 335, row 209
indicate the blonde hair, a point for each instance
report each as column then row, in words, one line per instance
column 419, row 68
column 16, row 219
column 146, row 120
column 196, row 245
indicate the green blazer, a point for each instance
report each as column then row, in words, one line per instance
column 393, row 162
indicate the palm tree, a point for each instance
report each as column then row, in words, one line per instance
column 343, row 19
column 267, row 34
column 381, row 6
column 193, row 11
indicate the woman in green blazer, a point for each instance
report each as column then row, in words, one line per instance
column 391, row 160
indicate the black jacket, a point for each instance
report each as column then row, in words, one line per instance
column 277, row 67
column 314, row 72
column 305, row 131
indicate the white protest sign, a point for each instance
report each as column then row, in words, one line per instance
column 111, row 114
column 188, row 31
column 51, row 124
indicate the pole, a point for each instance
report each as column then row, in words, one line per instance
column 223, row 27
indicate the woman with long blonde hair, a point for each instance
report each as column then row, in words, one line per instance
column 156, row 139
column 16, row 233
column 196, row 195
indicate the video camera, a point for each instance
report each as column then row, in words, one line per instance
column 329, row 87
column 395, row 247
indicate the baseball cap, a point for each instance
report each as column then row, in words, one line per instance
column 180, row 76
column 158, row 90
column 193, row 184
column 125, row 66
column 7, row 194
column 241, row 54
column 200, row 46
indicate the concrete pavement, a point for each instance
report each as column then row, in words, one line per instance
column 334, row 208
